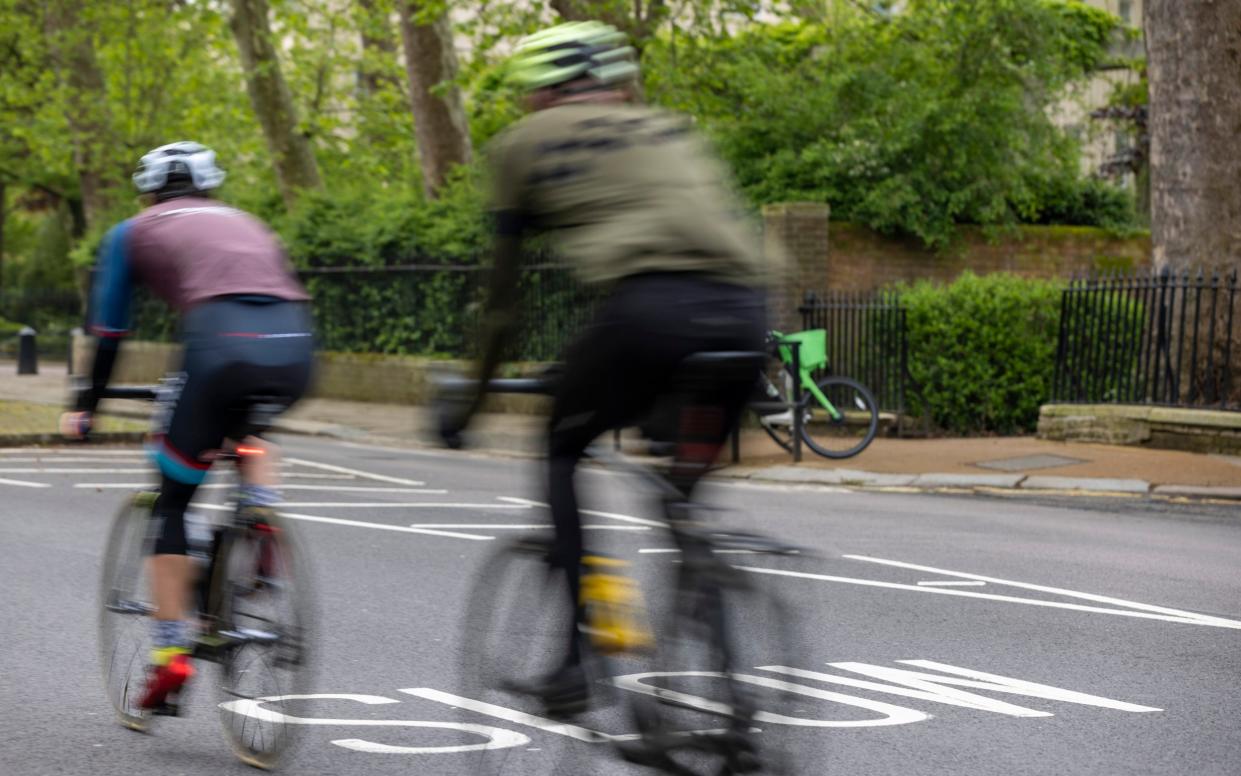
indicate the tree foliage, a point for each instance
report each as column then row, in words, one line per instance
column 909, row 117
column 909, row 122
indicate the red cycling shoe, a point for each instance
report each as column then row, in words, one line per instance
column 164, row 683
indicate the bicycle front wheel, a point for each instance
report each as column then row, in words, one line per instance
column 516, row 631
column 844, row 428
column 125, row 608
column 266, row 619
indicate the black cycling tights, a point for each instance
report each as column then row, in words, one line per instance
column 617, row 369
column 168, row 517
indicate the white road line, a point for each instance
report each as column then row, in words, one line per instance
column 527, row 527
column 575, row 732
column 593, row 512
column 70, row 470
column 54, row 451
column 1186, row 617
column 56, row 460
column 398, row 504
column 958, row 583
column 224, row 485
column 660, row 550
column 23, row 483
column 355, row 472
column 362, row 524
column 1102, row 599
column 309, row 476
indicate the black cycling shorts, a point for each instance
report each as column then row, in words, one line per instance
column 236, row 348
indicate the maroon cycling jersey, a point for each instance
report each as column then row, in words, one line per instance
column 188, row 250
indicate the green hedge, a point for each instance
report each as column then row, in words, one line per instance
column 982, row 351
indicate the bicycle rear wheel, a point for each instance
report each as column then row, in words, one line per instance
column 698, row 709
column 266, row 624
column 124, row 611
column 847, row 431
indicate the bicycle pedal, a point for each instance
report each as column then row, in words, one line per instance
column 210, row 645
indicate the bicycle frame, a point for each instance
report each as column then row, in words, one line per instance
column 789, row 351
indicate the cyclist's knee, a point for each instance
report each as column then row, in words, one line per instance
column 169, row 516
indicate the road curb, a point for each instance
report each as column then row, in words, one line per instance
column 1198, row 491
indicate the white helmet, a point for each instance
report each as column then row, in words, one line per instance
column 186, row 162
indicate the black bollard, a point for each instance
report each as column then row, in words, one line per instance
column 27, row 357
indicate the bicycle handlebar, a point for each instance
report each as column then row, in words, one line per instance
column 538, row 386
column 141, row 392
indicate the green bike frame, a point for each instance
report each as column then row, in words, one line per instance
column 811, row 355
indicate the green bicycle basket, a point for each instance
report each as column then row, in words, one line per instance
column 811, row 346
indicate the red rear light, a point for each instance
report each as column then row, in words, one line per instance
column 243, row 450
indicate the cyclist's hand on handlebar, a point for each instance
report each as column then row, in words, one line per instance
column 76, row 425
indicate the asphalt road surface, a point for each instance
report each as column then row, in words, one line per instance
column 933, row 634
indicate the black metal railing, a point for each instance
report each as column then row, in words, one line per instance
column 437, row 309
column 1152, row 338
column 866, row 340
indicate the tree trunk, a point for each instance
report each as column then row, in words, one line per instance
column 1194, row 70
column 378, row 45
column 272, row 102
column 71, row 42
column 440, row 125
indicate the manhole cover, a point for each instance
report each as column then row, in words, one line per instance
column 1028, row 462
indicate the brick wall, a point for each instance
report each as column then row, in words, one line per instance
column 796, row 241
column 858, row 259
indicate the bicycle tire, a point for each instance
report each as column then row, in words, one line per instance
column 855, row 430
column 698, row 678
column 514, row 631
column 125, row 606
column 267, row 609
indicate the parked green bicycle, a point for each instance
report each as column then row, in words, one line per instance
column 837, row 417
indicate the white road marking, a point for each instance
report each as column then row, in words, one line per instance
column 310, row 476
column 23, row 483
column 890, row 714
column 399, row 505
column 55, row 451
column 1203, row 618
column 931, row 687
column 661, row 550
column 1186, row 617
column 362, row 524
column 575, row 732
column 528, row 527
column 497, row 738
column 70, row 470
column 927, row 691
column 56, row 460
column 225, row 485
column 948, row 583
column 355, row 472
column 593, row 512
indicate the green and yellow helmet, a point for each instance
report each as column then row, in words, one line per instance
column 571, row 51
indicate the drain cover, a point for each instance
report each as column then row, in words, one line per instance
column 1028, row 462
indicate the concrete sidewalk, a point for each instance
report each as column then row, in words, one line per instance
column 1005, row 463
